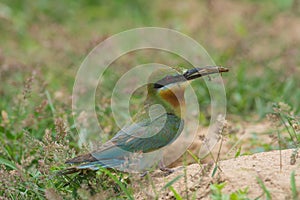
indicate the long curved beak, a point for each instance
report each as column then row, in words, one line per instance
column 190, row 75
column 199, row 72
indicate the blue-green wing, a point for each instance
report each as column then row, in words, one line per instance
column 144, row 136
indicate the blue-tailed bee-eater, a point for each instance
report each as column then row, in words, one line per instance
column 147, row 134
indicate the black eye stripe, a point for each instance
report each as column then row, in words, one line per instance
column 157, row 85
column 168, row 80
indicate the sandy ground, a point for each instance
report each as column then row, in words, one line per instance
column 238, row 173
column 243, row 136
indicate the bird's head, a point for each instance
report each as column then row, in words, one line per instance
column 168, row 87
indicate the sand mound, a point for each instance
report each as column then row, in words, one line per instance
column 238, row 173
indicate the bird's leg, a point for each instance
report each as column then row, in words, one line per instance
column 163, row 168
column 143, row 174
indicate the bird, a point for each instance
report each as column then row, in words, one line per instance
column 151, row 129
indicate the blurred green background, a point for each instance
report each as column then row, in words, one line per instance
column 258, row 40
column 42, row 44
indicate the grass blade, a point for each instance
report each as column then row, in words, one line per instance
column 8, row 163
column 194, row 157
column 50, row 102
column 293, row 186
column 122, row 186
column 264, row 188
column 170, row 183
column 176, row 195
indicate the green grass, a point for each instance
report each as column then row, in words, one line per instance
column 295, row 192
column 287, row 124
column 44, row 42
column 266, row 192
column 217, row 194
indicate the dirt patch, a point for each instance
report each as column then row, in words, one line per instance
column 243, row 137
column 238, row 173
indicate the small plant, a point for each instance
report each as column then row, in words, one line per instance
column 295, row 193
column 217, row 194
column 284, row 119
column 264, row 188
column 121, row 180
column 169, row 185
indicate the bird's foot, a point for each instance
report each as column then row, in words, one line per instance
column 167, row 171
column 142, row 175
column 164, row 169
